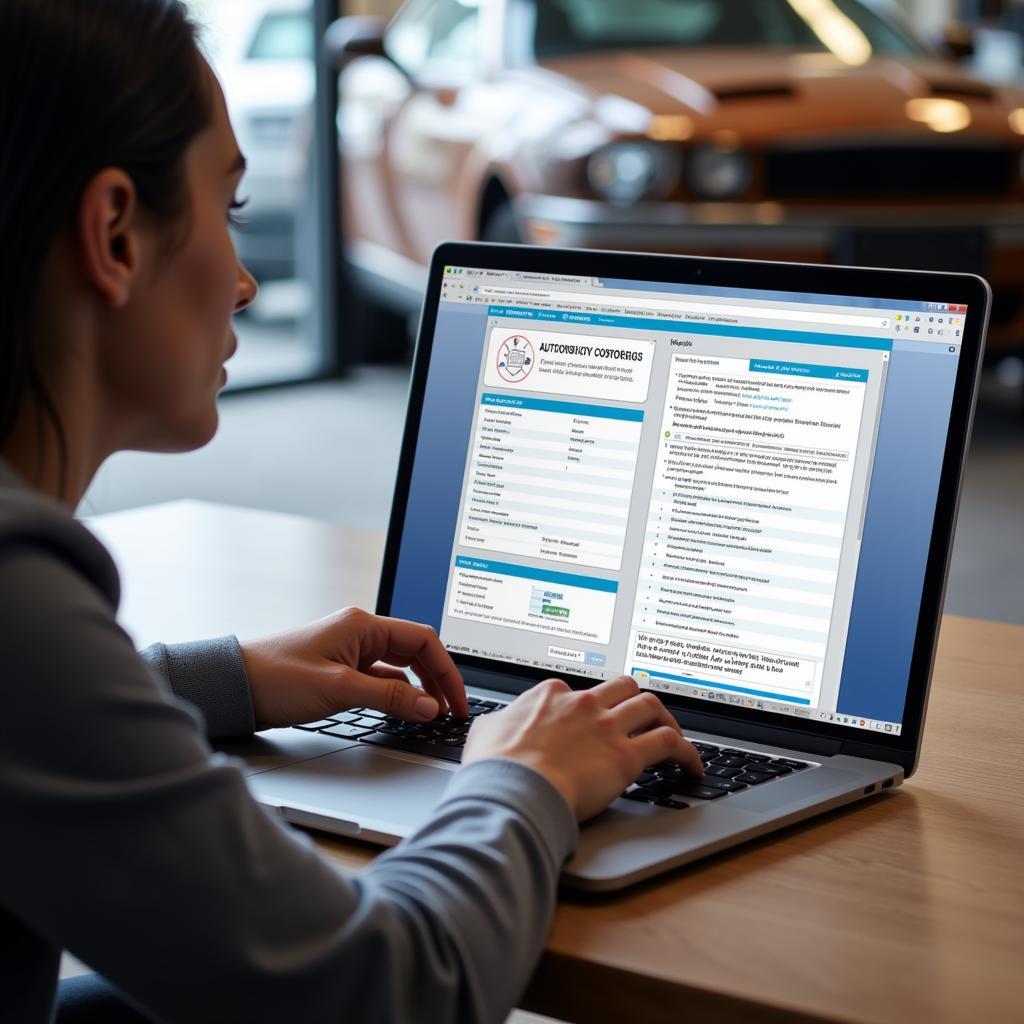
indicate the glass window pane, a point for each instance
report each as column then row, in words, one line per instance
column 566, row 26
column 283, row 37
column 262, row 51
column 436, row 34
column 455, row 36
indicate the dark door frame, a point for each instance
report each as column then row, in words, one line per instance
column 330, row 280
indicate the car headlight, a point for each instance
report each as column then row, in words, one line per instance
column 626, row 172
column 713, row 173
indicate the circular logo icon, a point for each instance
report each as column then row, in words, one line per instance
column 515, row 359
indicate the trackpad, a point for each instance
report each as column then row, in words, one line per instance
column 359, row 785
column 276, row 748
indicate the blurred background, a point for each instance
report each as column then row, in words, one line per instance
column 885, row 133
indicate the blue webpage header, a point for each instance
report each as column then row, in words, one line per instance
column 571, row 408
column 853, row 374
column 565, row 579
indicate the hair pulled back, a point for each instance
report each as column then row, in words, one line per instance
column 84, row 85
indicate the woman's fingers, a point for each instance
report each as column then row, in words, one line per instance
column 391, row 693
column 615, row 691
column 666, row 744
column 644, row 711
column 386, row 672
column 418, row 647
column 431, row 688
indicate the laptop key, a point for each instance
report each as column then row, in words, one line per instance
column 316, row 726
column 413, row 746
column 753, row 778
column 641, row 796
column 699, row 791
column 728, row 785
column 364, row 720
column 786, row 763
column 667, row 801
column 771, row 769
column 345, row 731
column 721, row 772
column 661, row 787
column 729, row 762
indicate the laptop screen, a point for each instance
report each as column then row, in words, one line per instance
column 706, row 488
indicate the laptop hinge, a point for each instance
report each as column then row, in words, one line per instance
column 904, row 758
column 694, row 720
column 500, row 681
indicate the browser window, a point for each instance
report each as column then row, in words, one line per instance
column 670, row 485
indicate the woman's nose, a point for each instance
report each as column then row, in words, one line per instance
column 248, row 289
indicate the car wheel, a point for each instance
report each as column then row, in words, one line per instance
column 501, row 226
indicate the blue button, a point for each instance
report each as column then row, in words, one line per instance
column 593, row 658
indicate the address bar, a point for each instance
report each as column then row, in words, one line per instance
column 680, row 306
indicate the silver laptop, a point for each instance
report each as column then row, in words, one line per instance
column 735, row 481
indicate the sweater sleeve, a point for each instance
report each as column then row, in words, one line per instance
column 130, row 844
column 209, row 675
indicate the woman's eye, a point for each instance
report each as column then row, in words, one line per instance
column 234, row 209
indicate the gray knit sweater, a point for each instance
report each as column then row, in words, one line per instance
column 125, row 840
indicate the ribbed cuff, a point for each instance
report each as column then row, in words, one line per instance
column 210, row 675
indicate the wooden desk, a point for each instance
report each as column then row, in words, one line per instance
column 906, row 909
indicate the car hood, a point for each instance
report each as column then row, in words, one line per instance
column 787, row 95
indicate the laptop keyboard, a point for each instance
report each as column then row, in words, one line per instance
column 726, row 769
column 444, row 737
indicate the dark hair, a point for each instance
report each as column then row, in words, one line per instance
column 84, row 85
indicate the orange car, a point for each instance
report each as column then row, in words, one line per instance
column 810, row 130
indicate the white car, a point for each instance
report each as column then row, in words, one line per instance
column 268, row 74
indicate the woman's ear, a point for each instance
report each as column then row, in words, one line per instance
column 108, row 234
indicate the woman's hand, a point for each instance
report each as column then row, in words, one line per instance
column 334, row 664
column 590, row 744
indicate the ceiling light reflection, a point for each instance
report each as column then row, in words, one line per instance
column 670, row 128
column 938, row 114
column 835, row 30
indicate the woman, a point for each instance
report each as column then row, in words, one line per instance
column 124, row 840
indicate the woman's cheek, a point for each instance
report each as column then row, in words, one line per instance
column 211, row 282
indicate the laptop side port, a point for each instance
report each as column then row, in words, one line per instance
column 869, row 789
column 887, row 784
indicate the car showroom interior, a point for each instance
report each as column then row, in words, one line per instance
column 882, row 134
column 298, row 394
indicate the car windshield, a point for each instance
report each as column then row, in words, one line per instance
column 283, row 36
column 849, row 29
